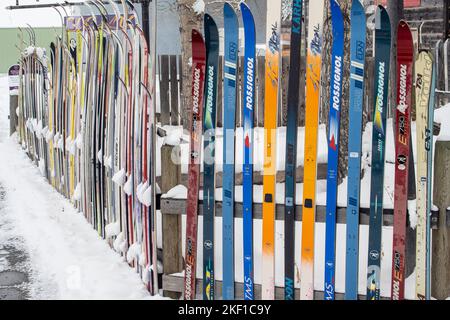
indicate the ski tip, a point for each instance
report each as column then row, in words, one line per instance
column 382, row 20
column 209, row 19
column 227, row 9
column 357, row 7
column 403, row 24
column 244, row 7
column 404, row 31
column 196, row 35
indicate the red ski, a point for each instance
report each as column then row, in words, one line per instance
column 405, row 53
column 198, row 76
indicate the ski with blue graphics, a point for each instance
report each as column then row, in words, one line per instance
column 382, row 67
column 357, row 61
column 231, row 53
column 209, row 126
column 337, row 62
column 291, row 149
column 247, row 171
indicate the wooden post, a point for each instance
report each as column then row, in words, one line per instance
column 174, row 111
column 171, row 223
column 164, row 90
column 440, row 277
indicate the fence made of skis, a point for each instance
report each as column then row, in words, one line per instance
column 102, row 118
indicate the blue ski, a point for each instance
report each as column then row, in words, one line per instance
column 247, row 171
column 382, row 67
column 229, row 105
column 357, row 57
column 337, row 61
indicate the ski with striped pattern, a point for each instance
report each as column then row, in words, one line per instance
column 231, row 53
column 357, row 63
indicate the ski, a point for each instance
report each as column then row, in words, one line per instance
column 405, row 54
column 357, row 64
column 272, row 71
column 231, row 53
column 423, row 71
column 291, row 149
column 313, row 71
column 198, row 76
column 429, row 148
column 382, row 67
column 209, row 126
column 248, row 101
column 337, row 65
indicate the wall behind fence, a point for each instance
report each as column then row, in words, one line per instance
column 9, row 54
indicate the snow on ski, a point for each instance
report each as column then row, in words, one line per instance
column 357, row 64
column 209, row 179
column 291, row 149
column 382, row 67
column 313, row 72
column 337, row 65
column 198, row 76
column 423, row 72
column 229, row 123
column 405, row 55
column 248, row 101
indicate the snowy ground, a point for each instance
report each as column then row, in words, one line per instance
column 67, row 259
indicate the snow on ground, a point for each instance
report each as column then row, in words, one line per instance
column 68, row 260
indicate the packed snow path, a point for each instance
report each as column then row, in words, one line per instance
column 14, row 270
column 56, row 251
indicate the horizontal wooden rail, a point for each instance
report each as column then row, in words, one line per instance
column 178, row 206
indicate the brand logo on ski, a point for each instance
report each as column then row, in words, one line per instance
column 316, row 42
column 374, row 255
column 208, row 244
column 248, row 293
column 249, row 83
column 274, row 41
column 296, row 16
column 428, row 136
column 380, row 98
column 403, row 74
column 401, row 161
column 397, row 276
